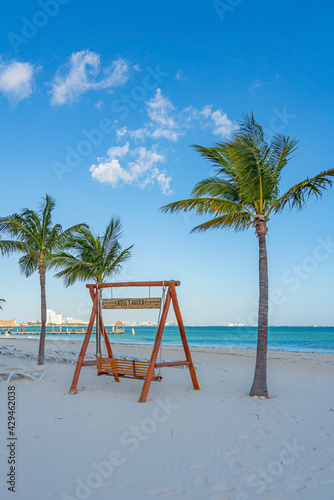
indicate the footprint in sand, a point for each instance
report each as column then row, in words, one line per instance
column 253, row 446
column 234, row 465
column 253, row 479
column 220, row 497
column 232, row 453
column 200, row 480
column 301, row 478
column 222, row 488
column 315, row 468
column 297, row 486
column 167, row 492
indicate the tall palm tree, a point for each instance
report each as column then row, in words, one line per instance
column 1, row 300
column 246, row 191
column 87, row 257
column 34, row 235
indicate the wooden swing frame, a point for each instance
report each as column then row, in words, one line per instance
column 171, row 297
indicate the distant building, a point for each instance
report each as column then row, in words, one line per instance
column 7, row 323
column 73, row 321
column 52, row 317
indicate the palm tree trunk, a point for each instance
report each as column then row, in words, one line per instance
column 43, row 318
column 259, row 387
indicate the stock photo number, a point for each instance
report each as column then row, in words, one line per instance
column 11, row 445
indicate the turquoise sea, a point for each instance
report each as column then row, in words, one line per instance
column 283, row 338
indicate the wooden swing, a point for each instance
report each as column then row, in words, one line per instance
column 135, row 369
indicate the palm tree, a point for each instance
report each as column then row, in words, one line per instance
column 87, row 257
column 1, row 300
column 34, row 235
column 246, row 191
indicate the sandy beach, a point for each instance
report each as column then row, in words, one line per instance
column 216, row 443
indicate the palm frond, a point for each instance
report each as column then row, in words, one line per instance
column 238, row 222
column 19, row 227
column 113, row 265
column 72, row 268
column 215, row 186
column 7, row 247
column 28, row 264
column 297, row 195
column 281, row 149
column 87, row 257
column 205, row 205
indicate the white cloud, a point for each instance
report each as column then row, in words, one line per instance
column 81, row 76
column 121, row 132
column 16, row 80
column 159, row 109
column 258, row 83
column 206, row 111
column 222, row 124
column 137, row 166
column 218, row 120
column 166, row 122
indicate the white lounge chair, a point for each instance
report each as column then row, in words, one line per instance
column 10, row 372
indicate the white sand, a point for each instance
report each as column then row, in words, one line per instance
column 216, row 443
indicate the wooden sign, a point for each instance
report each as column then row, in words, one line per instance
column 154, row 303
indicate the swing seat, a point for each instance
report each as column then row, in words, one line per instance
column 126, row 368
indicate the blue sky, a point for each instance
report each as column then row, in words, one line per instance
column 99, row 104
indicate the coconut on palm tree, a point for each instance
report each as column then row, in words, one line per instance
column 35, row 236
column 244, row 192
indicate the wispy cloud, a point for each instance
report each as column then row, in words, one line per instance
column 166, row 122
column 218, row 120
column 83, row 73
column 16, row 80
column 137, row 166
column 258, row 83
